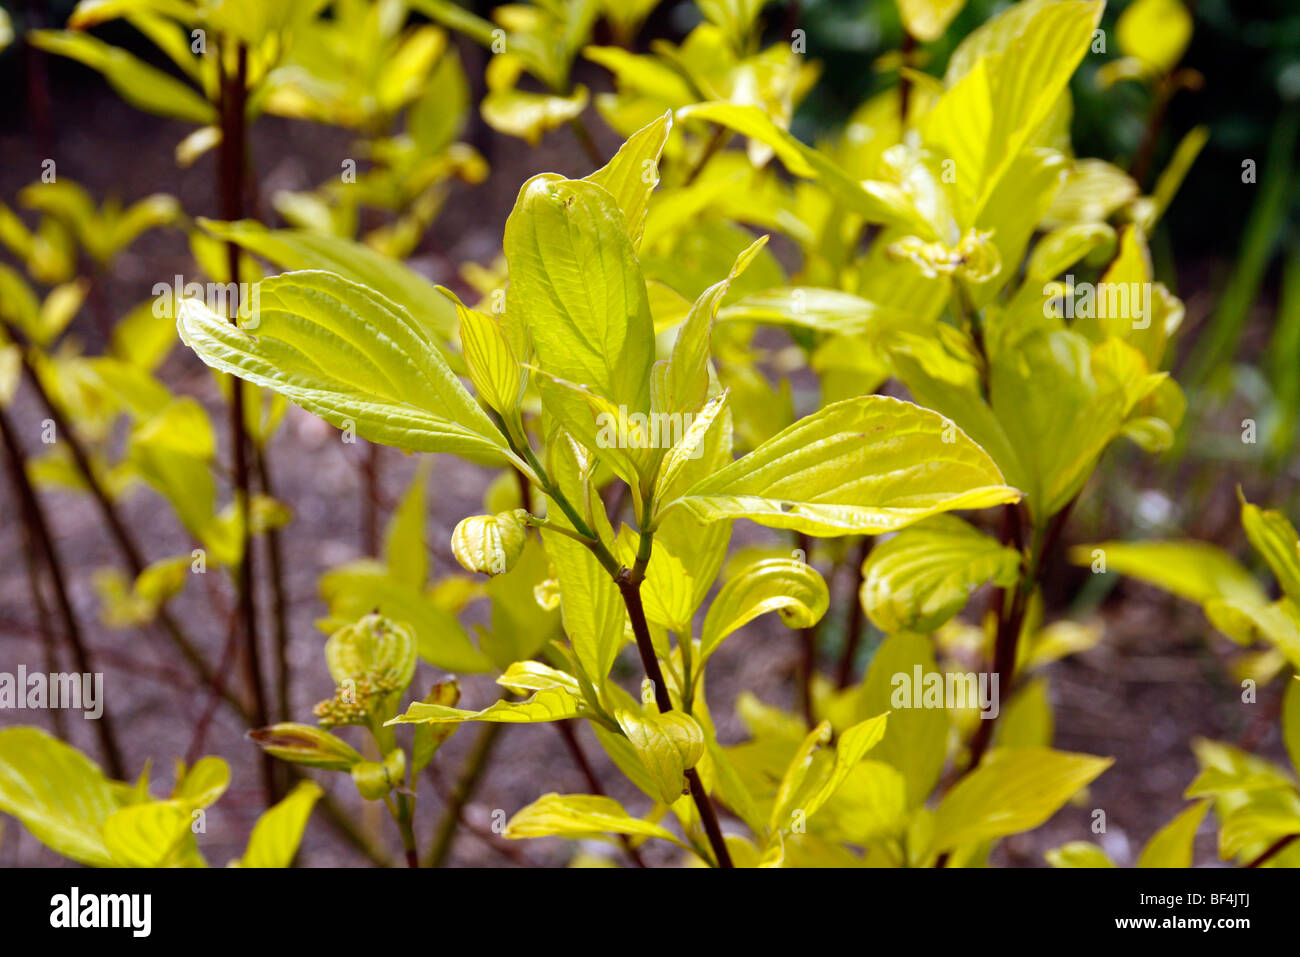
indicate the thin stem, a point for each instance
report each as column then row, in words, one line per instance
column 195, row 750
column 279, row 597
column 629, row 585
column 808, row 647
column 538, row 522
column 1186, row 79
column 1276, row 848
column 40, row 531
column 125, row 541
column 904, row 84
column 404, row 814
column 32, row 562
column 1010, row 620
column 716, row 142
column 585, row 140
column 370, row 500
column 470, row 776
column 233, row 102
column 854, row 627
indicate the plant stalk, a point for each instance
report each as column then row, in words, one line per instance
column 40, row 531
column 853, row 628
column 629, row 584
column 233, row 105
column 279, row 598
column 470, row 776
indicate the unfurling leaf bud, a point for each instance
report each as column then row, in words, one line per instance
column 305, row 744
column 490, row 544
column 374, row 648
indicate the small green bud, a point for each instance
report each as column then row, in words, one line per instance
column 490, row 544
column 375, row 780
column 371, row 780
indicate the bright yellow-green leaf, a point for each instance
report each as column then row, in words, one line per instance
column 305, row 249
column 1171, row 846
column 1192, row 570
column 153, row 834
column 734, row 17
column 928, row 19
column 1275, row 538
column 916, row 739
column 1063, row 247
column 668, row 745
column 528, row 115
column 922, row 577
column 1056, row 413
column 405, row 553
column 1012, row 214
column 1003, row 95
column 876, row 202
column 143, row 86
column 1226, row 769
column 793, row 588
column 645, row 76
column 1012, row 790
column 852, row 747
column 869, row 806
column 870, row 464
column 631, row 176
column 675, row 469
column 1092, row 192
column 591, row 606
column 1291, row 722
column 494, row 368
column 342, row 351
column 1255, row 826
column 1027, row 718
column 826, row 310
column 1171, row 177
column 1078, row 854
column 1247, row 621
column 520, row 627
column 549, row 704
column 686, row 377
column 813, row 776
column 785, row 805
column 60, row 795
column 203, row 783
column 524, row 676
column 579, row 816
column 575, row 282
column 625, row 758
column 278, row 832
column 668, row 591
